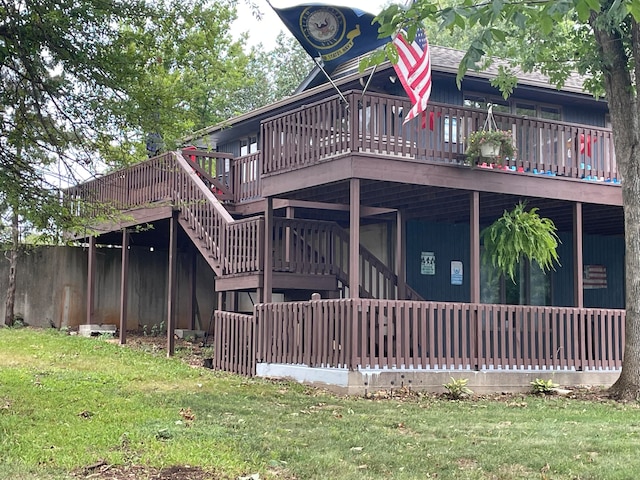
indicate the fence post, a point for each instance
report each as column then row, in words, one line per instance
column 475, row 336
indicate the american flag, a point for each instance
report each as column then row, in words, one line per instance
column 414, row 70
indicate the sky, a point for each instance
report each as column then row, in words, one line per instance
column 266, row 30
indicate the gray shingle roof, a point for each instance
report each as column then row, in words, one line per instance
column 444, row 59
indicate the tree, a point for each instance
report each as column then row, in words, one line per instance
column 84, row 78
column 274, row 74
column 599, row 38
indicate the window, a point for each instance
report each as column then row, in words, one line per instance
column 518, row 107
column 532, row 286
column 248, row 145
column 481, row 102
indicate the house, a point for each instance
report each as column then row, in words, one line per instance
column 346, row 244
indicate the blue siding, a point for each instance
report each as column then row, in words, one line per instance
column 562, row 277
column 445, row 91
column 231, row 147
column 448, row 242
column 596, row 250
column 607, row 251
column 583, row 115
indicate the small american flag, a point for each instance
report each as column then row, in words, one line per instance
column 414, row 70
column 594, row 276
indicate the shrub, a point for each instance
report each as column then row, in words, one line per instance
column 543, row 387
column 457, row 388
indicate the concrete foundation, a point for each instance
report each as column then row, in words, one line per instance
column 362, row 381
column 188, row 334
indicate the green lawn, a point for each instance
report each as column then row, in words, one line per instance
column 67, row 402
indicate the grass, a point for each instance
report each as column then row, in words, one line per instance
column 68, row 402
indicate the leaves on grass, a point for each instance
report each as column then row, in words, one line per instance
column 187, row 415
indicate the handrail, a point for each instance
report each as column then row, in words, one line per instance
column 214, row 168
column 376, row 279
column 171, row 179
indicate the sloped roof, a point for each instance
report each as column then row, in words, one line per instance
column 447, row 60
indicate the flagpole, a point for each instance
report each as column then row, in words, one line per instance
column 331, row 81
column 369, row 80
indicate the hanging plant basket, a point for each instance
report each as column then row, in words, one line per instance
column 490, row 143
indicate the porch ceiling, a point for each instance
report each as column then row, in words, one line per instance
column 438, row 204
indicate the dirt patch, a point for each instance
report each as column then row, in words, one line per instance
column 194, row 353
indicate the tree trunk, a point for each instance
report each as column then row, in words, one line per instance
column 627, row 387
column 13, row 260
column 625, row 119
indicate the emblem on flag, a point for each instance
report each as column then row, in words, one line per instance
column 322, row 27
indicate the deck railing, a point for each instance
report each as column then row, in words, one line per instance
column 231, row 246
column 355, row 333
column 374, row 123
column 234, row 346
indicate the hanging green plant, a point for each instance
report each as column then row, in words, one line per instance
column 517, row 234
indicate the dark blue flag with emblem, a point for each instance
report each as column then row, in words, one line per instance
column 334, row 34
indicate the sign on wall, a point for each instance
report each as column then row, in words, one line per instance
column 456, row 272
column 428, row 263
column 594, row 276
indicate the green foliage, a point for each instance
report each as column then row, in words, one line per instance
column 273, row 74
column 542, row 387
column 501, row 138
column 553, row 37
column 457, row 388
column 517, row 234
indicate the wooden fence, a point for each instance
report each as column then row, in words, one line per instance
column 365, row 333
column 234, row 343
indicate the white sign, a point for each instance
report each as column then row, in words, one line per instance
column 428, row 263
column 456, row 272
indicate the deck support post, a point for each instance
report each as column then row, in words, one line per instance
column 172, row 287
column 400, row 261
column 354, row 239
column 124, row 278
column 267, row 286
column 577, row 255
column 91, row 279
column 289, row 213
column 474, row 245
column 191, row 306
column 474, row 274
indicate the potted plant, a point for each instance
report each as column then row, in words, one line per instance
column 493, row 145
